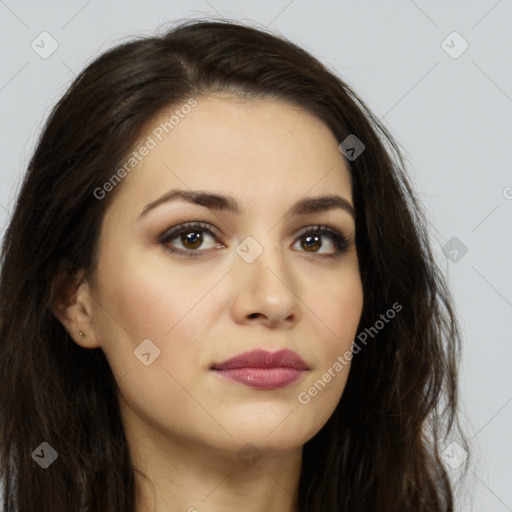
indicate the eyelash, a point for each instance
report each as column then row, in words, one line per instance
column 340, row 241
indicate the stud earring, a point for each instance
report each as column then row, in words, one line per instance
column 80, row 333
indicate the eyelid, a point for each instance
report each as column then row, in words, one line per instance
column 179, row 228
column 341, row 241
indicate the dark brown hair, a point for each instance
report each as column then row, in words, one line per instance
column 381, row 448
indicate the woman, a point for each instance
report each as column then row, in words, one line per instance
column 217, row 293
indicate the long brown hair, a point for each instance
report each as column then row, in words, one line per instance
column 381, row 448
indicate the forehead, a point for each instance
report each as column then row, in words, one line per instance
column 262, row 147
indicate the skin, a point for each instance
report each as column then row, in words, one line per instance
column 185, row 424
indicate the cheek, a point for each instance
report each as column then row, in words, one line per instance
column 339, row 306
column 148, row 317
column 142, row 299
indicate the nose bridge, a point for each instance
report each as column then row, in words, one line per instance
column 263, row 274
column 260, row 252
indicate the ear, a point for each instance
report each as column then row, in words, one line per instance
column 72, row 304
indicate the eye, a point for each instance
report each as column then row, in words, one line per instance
column 192, row 237
column 312, row 241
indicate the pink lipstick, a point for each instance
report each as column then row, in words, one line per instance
column 260, row 369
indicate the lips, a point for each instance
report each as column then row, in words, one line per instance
column 260, row 369
column 264, row 359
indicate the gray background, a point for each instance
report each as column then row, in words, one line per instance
column 452, row 114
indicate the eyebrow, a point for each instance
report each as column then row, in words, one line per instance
column 221, row 202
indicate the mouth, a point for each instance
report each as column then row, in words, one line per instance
column 260, row 369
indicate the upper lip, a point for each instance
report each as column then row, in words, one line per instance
column 263, row 359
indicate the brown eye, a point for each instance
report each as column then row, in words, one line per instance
column 192, row 239
column 312, row 241
column 191, row 236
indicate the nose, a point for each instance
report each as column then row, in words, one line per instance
column 265, row 290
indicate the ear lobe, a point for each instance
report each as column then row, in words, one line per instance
column 71, row 303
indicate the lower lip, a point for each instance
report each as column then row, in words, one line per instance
column 263, row 378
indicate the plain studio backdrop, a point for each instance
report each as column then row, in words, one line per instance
column 438, row 75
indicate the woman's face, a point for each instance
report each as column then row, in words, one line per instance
column 258, row 275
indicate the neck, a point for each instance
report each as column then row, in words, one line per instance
column 197, row 479
column 180, row 475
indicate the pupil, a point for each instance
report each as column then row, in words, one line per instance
column 192, row 238
column 311, row 241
